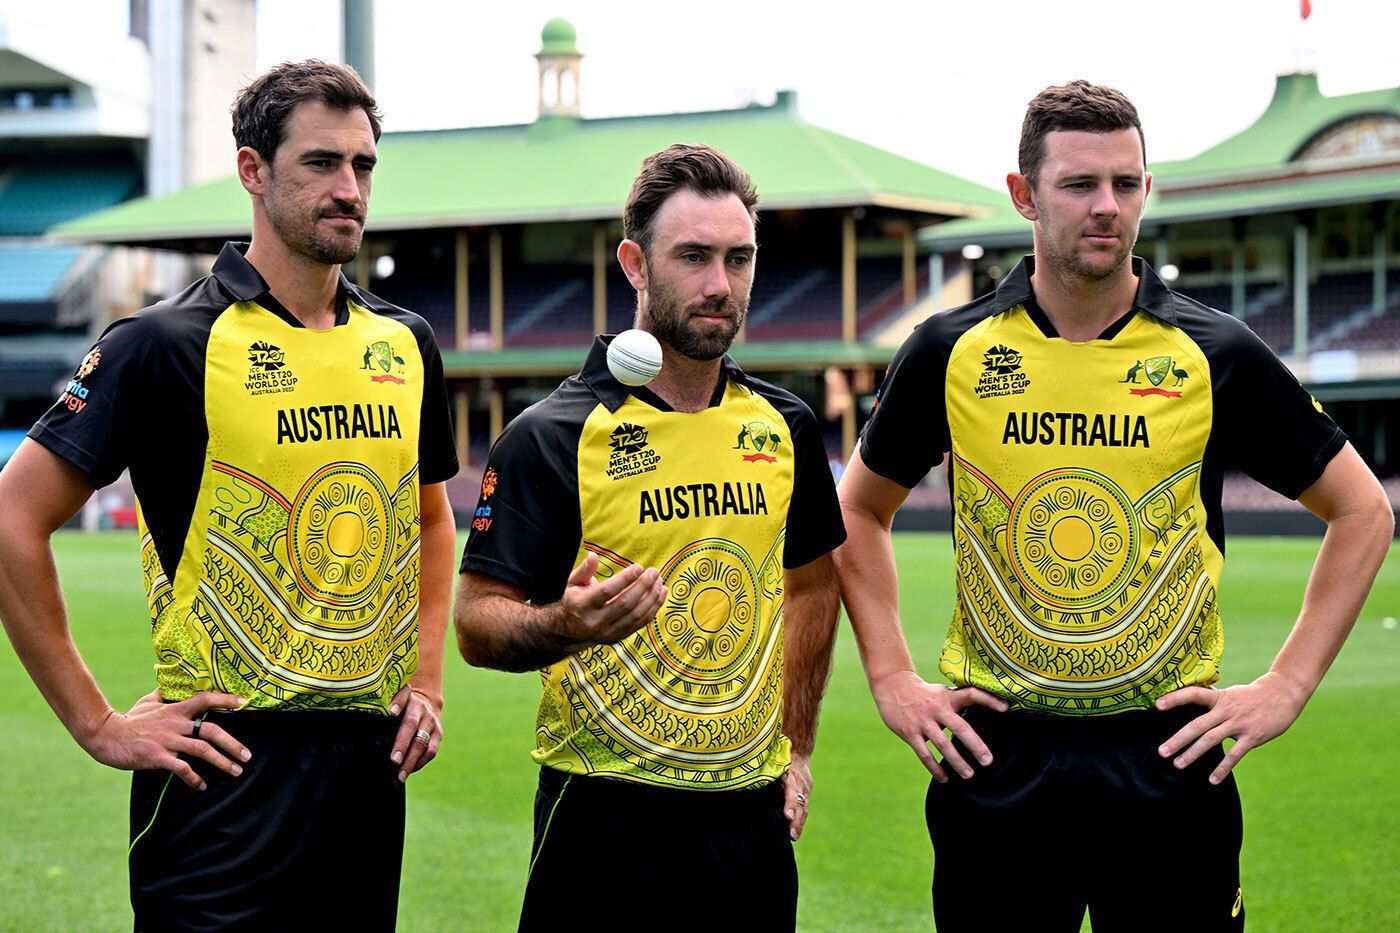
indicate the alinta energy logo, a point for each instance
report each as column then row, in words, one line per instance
column 1157, row 369
column 482, row 520
column 380, row 355
column 1001, row 374
column 267, row 370
column 630, row 455
column 763, row 437
column 75, row 394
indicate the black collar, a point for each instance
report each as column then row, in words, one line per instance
column 236, row 273
column 1153, row 296
column 612, row 393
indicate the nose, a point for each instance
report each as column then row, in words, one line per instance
column 346, row 185
column 717, row 279
column 1105, row 202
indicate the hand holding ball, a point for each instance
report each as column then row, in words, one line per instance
column 634, row 357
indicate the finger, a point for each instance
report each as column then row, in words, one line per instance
column 582, row 575
column 198, row 748
column 203, row 702
column 964, row 697
column 970, row 739
column 1190, row 732
column 951, row 758
column 616, row 590
column 1232, row 758
column 416, row 747
column 1202, row 745
column 403, row 739
column 183, row 771
column 430, row 752
column 218, row 736
column 400, row 699
column 635, row 595
column 1200, row 696
column 920, row 747
column 639, row 615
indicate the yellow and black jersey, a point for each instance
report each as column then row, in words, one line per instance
column 1086, row 481
column 720, row 501
column 276, row 472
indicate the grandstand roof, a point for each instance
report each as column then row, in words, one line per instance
column 562, row 168
column 1263, row 169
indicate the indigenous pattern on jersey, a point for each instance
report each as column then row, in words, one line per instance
column 276, row 471
column 1086, row 483
column 720, row 501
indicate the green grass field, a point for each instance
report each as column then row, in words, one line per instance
column 1322, row 803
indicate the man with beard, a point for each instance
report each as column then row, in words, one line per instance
column 680, row 703
column 287, row 436
column 1086, row 635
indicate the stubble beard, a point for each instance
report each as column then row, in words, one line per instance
column 1073, row 265
column 299, row 234
column 670, row 321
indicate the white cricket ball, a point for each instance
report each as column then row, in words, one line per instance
column 634, row 357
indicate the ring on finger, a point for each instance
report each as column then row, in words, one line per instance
column 802, row 799
column 423, row 736
column 194, row 734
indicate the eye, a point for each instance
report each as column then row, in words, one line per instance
column 740, row 259
column 692, row 258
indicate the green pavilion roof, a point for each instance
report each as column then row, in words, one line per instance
column 1255, row 171
column 561, row 168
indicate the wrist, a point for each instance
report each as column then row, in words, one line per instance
column 87, row 730
column 1299, row 689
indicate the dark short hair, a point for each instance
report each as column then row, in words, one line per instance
column 1078, row 105
column 701, row 169
column 261, row 109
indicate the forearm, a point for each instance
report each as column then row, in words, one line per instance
column 439, row 542
column 31, row 606
column 506, row 634
column 1347, row 563
column 870, row 590
column 809, row 634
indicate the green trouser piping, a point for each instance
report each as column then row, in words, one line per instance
column 547, row 823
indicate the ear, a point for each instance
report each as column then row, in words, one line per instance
column 1022, row 195
column 634, row 263
column 1147, row 186
column 252, row 170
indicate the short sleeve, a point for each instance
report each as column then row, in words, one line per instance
column 814, row 524
column 437, row 448
column 1276, row 432
column 908, row 433
column 99, row 418
column 526, row 528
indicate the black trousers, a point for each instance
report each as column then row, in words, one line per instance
column 1077, row 813
column 310, row 836
column 617, row 853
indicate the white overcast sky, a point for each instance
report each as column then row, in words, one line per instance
column 942, row 82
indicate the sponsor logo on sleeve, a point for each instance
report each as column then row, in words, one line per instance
column 268, row 373
column 630, row 455
column 760, row 437
column 75, row 394
column 482, row 520
column 1001, row 374
column 380, row 356
column 1157, row 369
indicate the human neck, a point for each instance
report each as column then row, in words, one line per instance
column 685, row 384
column 1081, row 310
column 305, row 288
